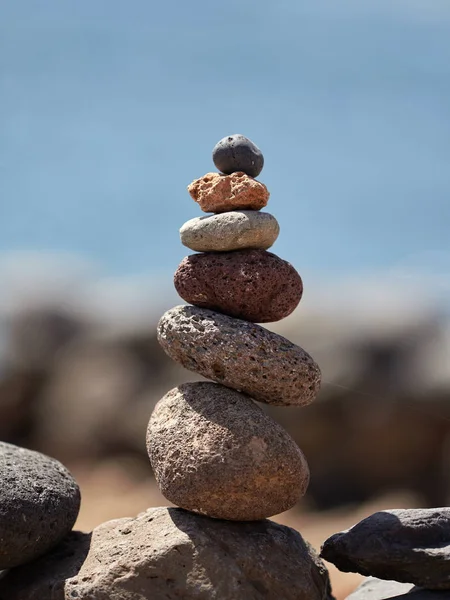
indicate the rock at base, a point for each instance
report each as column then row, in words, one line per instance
column 378, row 589
column 406, row 545
column 166, row 554
column 214, row 451
column 39, row 504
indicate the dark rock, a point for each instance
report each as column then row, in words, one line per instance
column 237, row 153
column 240, row 355
column 215, row 452
column 253, row 285
column 411, row 546
column 377, row 589
column 45, row 578
column 39, row 504
column 171, row 553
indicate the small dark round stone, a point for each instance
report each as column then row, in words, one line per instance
column 237, row 153
column 39, row 504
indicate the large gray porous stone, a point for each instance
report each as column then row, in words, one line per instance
column 240, row 355
column 168, row 554
column 407, row 545
column 214, row 451
column 39, row 504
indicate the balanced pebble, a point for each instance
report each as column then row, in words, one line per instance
column 233, row 230
column 39, row 504
column 221, row 193
column 215, row 452
column 254, row 285
column 238, row 153
column 240, row 355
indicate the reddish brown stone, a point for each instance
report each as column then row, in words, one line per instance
column 219, row 193
column 253, row 285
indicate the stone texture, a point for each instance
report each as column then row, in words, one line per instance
column 407, row 545
column 253, row 285
column 166, row 554
column 214, row 451
column 240, row 355
column 238, row 153
column 221, row 193
column 39, row 503
column 377, row 589
column 232, row 230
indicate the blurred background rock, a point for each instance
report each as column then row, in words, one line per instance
column 80, row 385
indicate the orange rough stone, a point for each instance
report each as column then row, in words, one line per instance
column 219, row 193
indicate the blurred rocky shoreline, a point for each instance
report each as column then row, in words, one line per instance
column 79, row 377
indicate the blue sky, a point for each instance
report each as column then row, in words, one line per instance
column 109, row 109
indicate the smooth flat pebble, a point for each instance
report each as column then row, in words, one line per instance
column 215, row 452
column 39, row 504
column 240, row 355
column 254, row 285
column 219, row 193
column 232, row 230
column 170, row 553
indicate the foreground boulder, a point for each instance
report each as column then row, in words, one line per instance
column 377, row 589
column 166, row 554
column 39, row 504
column 411, row 546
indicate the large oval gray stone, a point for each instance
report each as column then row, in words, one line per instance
column 234, row 230
column 214, row 451
column 407, row 545
column 39, row 504
column 168, row 554
column 240, row 355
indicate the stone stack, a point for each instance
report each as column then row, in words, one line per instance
column 213, row 450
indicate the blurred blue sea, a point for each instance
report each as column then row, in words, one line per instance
column 110, row 109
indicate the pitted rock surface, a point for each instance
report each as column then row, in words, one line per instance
column 214, row 451
column 232, row 230
column 253, row 285
column 168, row 554
column 240, row 355
column 39, row 503
column 407, row 545
column 219, row 193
